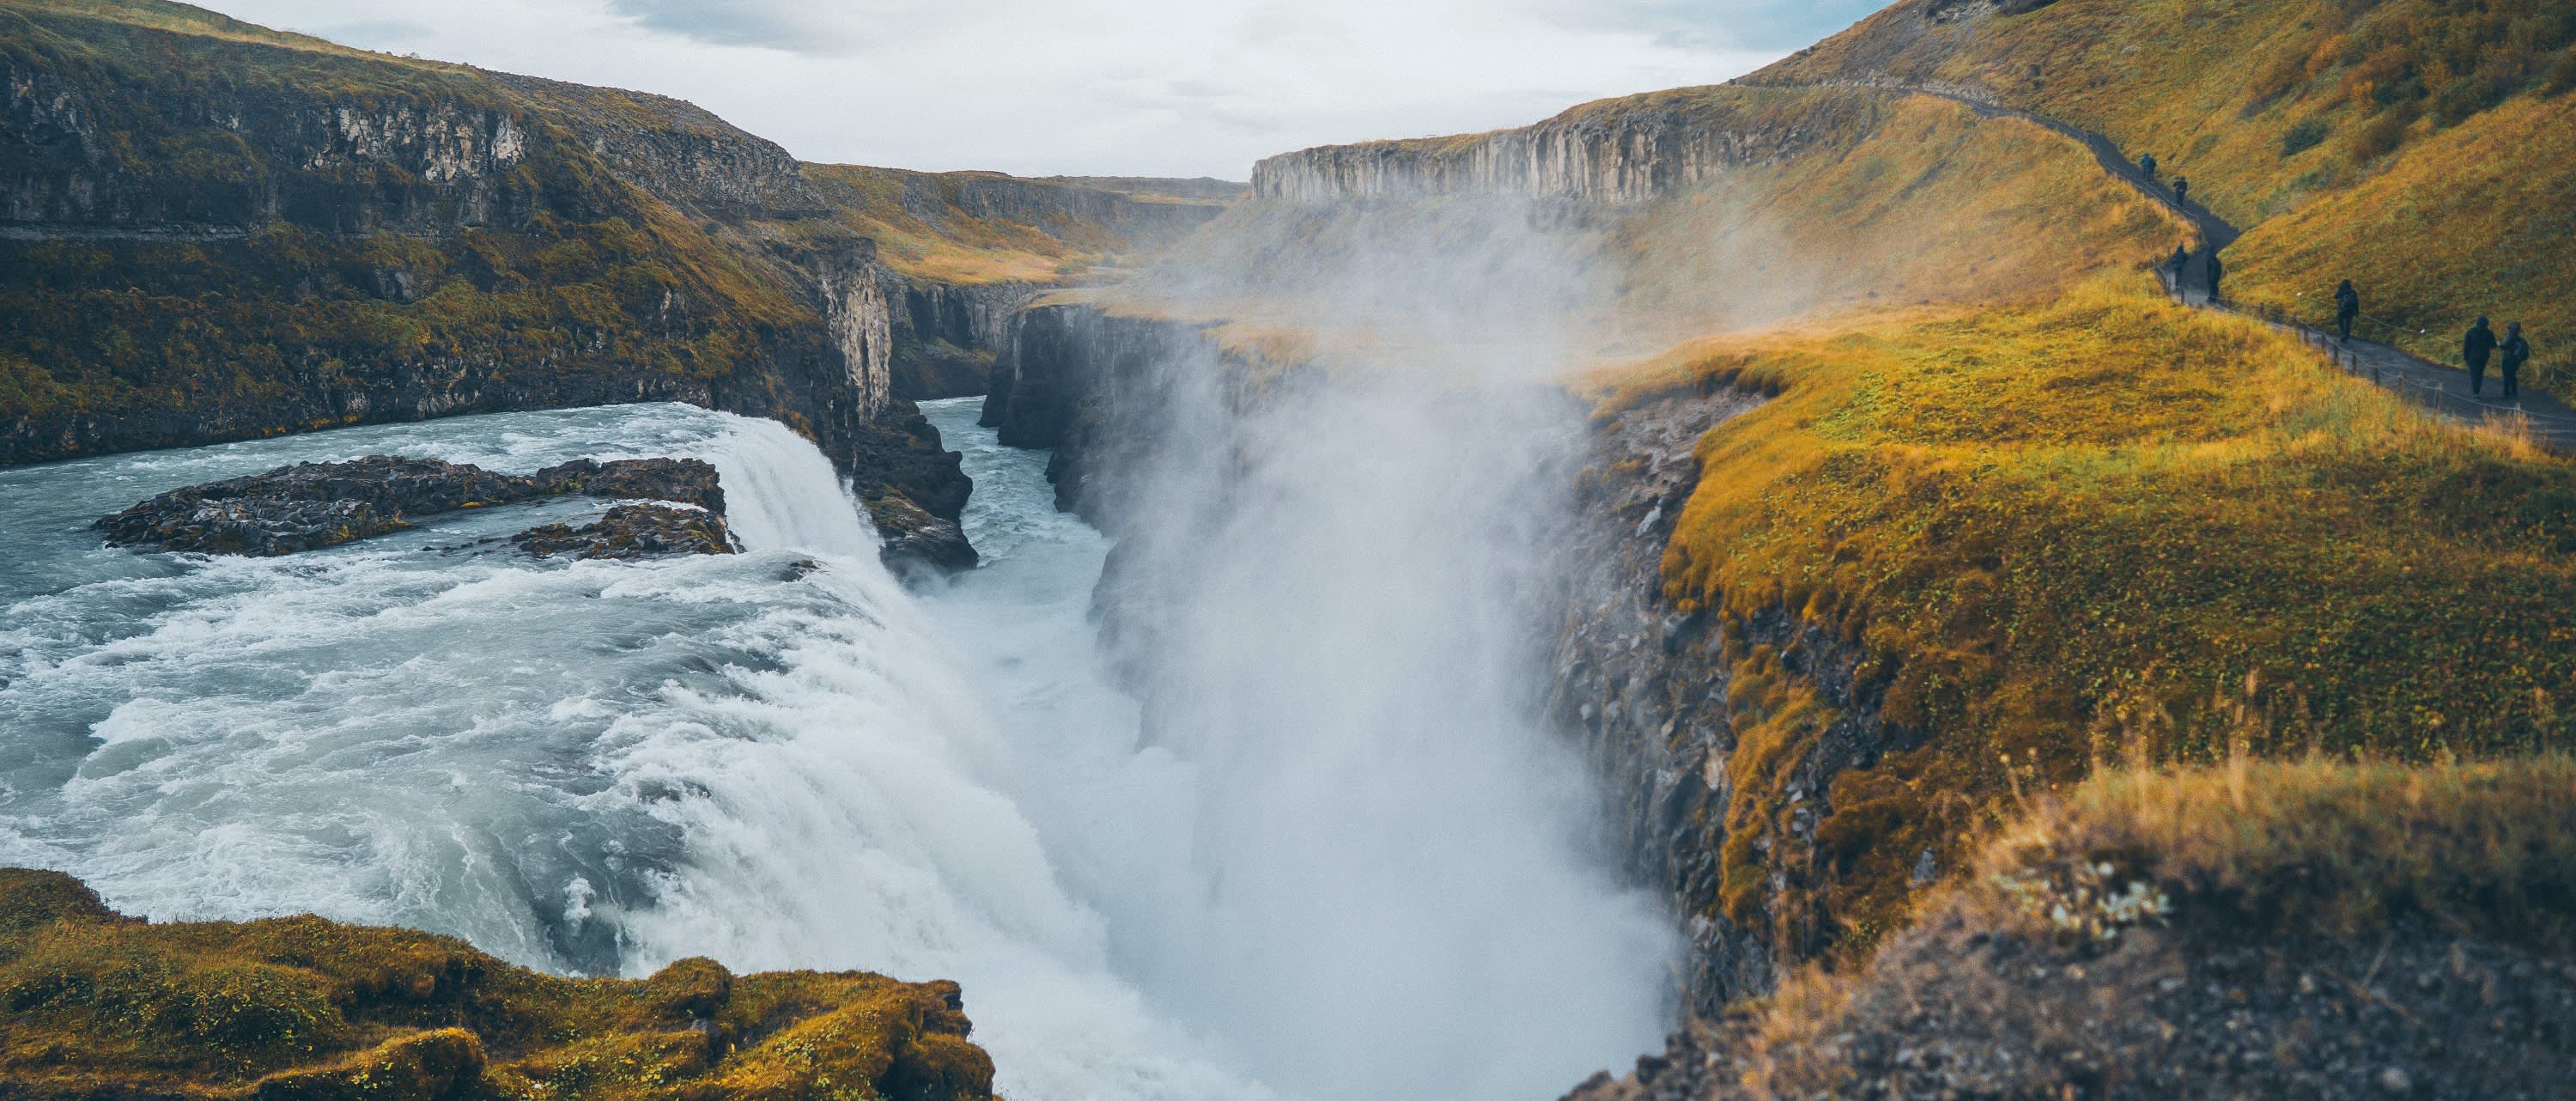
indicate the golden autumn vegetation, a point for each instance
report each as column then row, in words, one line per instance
column 93, row 1004
column 2102, row 522
column 2418, row 147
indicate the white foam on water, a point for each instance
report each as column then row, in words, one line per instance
column 600, row 765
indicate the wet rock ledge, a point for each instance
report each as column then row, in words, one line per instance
column 314, row 505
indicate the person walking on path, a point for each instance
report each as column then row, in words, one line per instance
column 2347, row 307
column 2182, row 191
column 2148, row 163
column 2474, row 350
column 2515, row 351
column 2181, row 262
column 2216, row 269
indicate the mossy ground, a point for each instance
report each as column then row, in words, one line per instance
column 93, row 1004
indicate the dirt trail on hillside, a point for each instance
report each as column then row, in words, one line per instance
column 2439, row 388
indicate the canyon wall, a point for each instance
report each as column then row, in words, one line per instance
column 215, row 232
column 1616, row 151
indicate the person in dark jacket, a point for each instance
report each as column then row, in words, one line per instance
column 2148, row 162
column 2182, row 190
column 2181, row 260
column 2216, row 269
column 2474, row 350
column 2512, row 354
column 2347, row 307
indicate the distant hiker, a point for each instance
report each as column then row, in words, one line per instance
column 2182, row 190
column 2181, row 259
column 2347, row 307
column 2517, row 352
column 2216, row 269
column 2148, row 162
column 2474, row 348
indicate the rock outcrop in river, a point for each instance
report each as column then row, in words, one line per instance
column 313, row 505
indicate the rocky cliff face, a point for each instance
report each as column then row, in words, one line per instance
column 346, row 165
column 209, row 236
column 948, row 338
column 1663, row 701
column 1620, row 151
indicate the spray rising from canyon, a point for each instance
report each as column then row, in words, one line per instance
column 1341, row 519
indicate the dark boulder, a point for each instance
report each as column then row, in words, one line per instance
column 688, row 481
column 633, row 531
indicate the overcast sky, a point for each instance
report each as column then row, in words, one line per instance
column 1121, row 87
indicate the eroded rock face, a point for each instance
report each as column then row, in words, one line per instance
column 633, row 531
column 315, row 505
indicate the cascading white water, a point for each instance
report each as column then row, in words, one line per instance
column 595, row 766
column 606, row 766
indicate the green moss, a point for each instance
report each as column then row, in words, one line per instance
column 300, row 1008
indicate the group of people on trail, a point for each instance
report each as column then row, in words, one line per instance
column 2209, row 277
column 2479, row 348
column 2481, row 343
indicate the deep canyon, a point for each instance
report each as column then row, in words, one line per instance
column 1762, row 577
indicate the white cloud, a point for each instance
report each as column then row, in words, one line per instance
column 1142, row 87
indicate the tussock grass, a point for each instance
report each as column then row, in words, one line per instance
column 2322, row 847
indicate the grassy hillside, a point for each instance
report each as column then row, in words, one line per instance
column 2099, row 524
column 968, row 228
column 93, row 1004
column 2415, row 146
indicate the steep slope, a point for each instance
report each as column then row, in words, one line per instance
column 97, row 1004
column 2417, row 147
column 210, row 231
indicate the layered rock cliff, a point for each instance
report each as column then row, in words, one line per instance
column 1615, row 151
